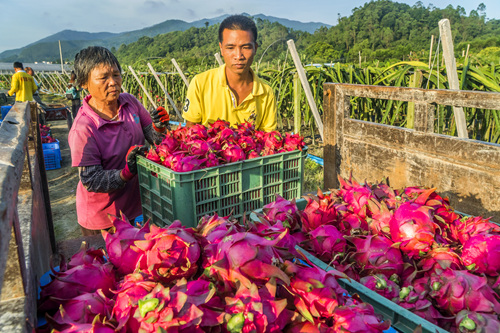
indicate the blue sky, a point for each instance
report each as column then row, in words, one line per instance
column 26, row 21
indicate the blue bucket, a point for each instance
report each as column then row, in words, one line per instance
column 5, row 110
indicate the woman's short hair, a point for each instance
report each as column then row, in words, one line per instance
column 238, row 22
column 91, row 57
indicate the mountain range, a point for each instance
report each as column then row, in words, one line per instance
column 47, row 49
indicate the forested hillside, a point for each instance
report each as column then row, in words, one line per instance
column 380, row 30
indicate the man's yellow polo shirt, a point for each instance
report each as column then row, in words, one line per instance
column 209, row 98
column 23, row 85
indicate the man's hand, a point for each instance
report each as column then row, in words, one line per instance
column 160, row 119
column 130, row 169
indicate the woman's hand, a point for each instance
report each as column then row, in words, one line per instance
column 160, row 119
column 130, row 169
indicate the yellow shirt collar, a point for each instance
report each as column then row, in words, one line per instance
column 257, row 89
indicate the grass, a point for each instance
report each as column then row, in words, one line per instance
column 313, row 176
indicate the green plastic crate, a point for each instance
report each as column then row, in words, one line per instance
column 232, row 189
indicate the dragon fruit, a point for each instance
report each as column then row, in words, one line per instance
column 320, row 210
column 85, row 255
column 97, row 326
column 153, row 156
column 82, row 310
column 284, row 211
column 81, row 279
column 197, row 132
column 357, row 317
column 256, row 310
column 480, row 254
column 252, row 154
column 169, row 253
column 199, row 147
column 466, row 227
column 118, row 244
column 247, row 143
column 455, row 291
column 355, row 195
column 381, row 285
column 188, row 163
column 212, row 160
column 245, row 129
column 440, row 258
column 169, row 144
column 327, row 242
column 232, row 153
column 412, row 226
column 469, row 321
column 293, row 142
column 247, row 258
column 375, row 254
column 273, row 141
column 379, row 222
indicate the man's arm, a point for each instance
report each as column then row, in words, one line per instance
column 14, row 85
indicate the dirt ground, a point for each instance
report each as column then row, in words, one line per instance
column 62, row 187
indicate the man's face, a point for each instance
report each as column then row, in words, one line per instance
column 104, row 83
column 238, row 49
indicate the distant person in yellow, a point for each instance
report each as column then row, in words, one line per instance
column 232, row 92
column 23, row 84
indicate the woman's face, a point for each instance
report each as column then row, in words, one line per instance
column 104, row 83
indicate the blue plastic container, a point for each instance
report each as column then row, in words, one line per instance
column 5, row 109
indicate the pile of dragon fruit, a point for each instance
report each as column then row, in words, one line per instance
column 222, row 276
column 199, row 147
column 46, row 134
column 409, row 246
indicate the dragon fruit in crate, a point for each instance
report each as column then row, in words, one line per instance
column 481, row 254
column 284, row 211
column 469, row 321
column 119, row 240
column 412, row 226
column 169, row 253
column 381, row 285
column 454, row 291
column 321, row 209
column 356, row 317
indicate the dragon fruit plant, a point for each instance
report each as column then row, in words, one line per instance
column 199, row 147
column 219, row 277
column 411, row 247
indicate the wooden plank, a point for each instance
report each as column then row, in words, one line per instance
column 464, row 98
column 451, row 73
column 305, row 86
column 468, row 171
column 219, row 59
column 179, row 70
column 142, row 86
column 164, row 90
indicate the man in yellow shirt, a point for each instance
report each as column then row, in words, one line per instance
column 232, row 92
column 23, row 84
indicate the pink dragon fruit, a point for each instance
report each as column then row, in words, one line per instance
column 355, row 195
column 480, row 254
column 227, row 136
column 199, row 147
column 169, row 145
column 381, row 285
column 188, row 163
column 465, row 228
column 172, row 160
column 86, row 255
column 118, row 244
column 284, row 211
column 424, row 308
column 320, row 210
column 375, row 254
column 246, row 143
column 212, row 160
column 252, row 154
column 131, row 289
column 232, row 153
column 293, row 142
column 169, row 253
column 469, row 321
column 386, row 194
column 217, row 126
column 247, row 258
column 327, row 242
column 85, row 278
column 440, row 258
column 256, row 310
column 412, row 226
column 379, row 222
column 455, row 291
column 153, row 156
column 81, row 310
column 285, row 247
column 351, row 224
column 197, row 132
column 316, row 293
column 245, row 129
column 97, row 326
column 357, row 317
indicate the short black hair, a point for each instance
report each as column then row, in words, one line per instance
column 18, row 64
column 238, row 22
column 91, row 57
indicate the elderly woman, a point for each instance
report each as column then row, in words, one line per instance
column 108, row 133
